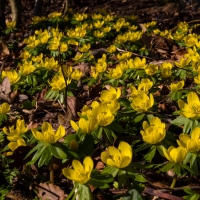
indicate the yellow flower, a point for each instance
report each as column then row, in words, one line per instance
column 94, row 72
column 190, row 144
column 78, row 56
column 25, row 55
column 55, row 15
column 12, row 76
column 111, row 49
column 26, row 68
column 145, row 85
column 190, row 40
column 15, row 134
column 48, row 135
column 114, row 106
column 142, row 103
column 86, row 126
column 151, row 69
column 106, row 29
column 119, row 158
column 97, row 16
column 76, row 74
column 80, row 17
column 54, row 44
column 63, row 47
column 80, row 173
column 133, row 36
column 50, row 64
column 175, row 155
column 192, row 108
column 124, row 56
column 4, row 108
column 138, row 63
column 154, row 132
column 197, row 79
column 37, row 19
column 108, row 18
column 110, row 95
column 84, row 48
column 11, row 24
column 58, row 82
column 73, row 42
column 115, row 73
column 14, row 145
column 98, row 24
column 103, row 115
column 101, row 66
column 166, row 69
column 176, row 86
column 183, row 62
column 44, row 37
column 37, row 58
column 121, row 39
column 98, row 34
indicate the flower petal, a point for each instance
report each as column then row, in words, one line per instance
column 192, row 98
column 77, row 165
column 125, row 149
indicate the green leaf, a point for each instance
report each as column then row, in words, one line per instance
column 151, row 153
column 57, row 152
column 122, row 178
column 187, row 126
column 167, row 167
column 37, row 155
column 188, row 168
column 110, row 170
column 109, row 135
column 140, row 178
column 179, row 121
column 114, row 126
column 142, row 147
column 84, row 192
column 45, row 157
column 177, row 168
column 132, row 195
column 40, row 144
column 139, row 118
column 188, row 190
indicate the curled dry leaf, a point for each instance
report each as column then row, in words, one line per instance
column 5, row 89
column 4, row 51
column 50, row 192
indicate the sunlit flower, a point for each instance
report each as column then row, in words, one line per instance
column 151, row 69
column 55, row 15
column 48, row 135
column 12, row 76
column 84, row 48
column 192, row 108
column 111, row 49
column 76, row 74
column 115, row 73
column 175, row 155
column 153, row 132
column 176, row 86
column 80, row 173
column 166, row 69
column 58, row 82
column 63, row 47
column 124, row 56
column 4, row 108
column 119, row 158
column 26, row 68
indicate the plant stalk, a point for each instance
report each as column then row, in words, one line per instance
column 51, row 171
column 174, row 181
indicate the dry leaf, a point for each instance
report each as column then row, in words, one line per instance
column 50, row 192
column 4, row 51
column 5, row 89
column 71, row 104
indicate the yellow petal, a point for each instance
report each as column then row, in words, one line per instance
column 125, row 162
column 182, row 105
column 145, row 125
column 125, row 149
column 74, row 125
column 155, row 121
column 46, row 127
column 77, row 165
column 104, row 157
column 111, row 163
column 195, row 133
column 192, row 98
column 13, row 145
column 60, row 132
column 165, row 152
column 88, row 164
column 113, row 151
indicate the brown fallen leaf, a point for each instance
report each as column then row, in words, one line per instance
column 4, row 51
column 5, row 89
column 50, row 192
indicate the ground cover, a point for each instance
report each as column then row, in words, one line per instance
column 99, row 106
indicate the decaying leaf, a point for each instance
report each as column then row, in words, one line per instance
column 4, row 51
column 5, row 89
column 50, row 192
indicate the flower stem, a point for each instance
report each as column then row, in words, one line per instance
column 174, row 181
column 51, row 171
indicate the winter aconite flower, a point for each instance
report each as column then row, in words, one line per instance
column 192, row 144
column 142, row 103
column 153, row 132
column 176, row 86
column 48, row 135
column 118, row 158
column 12, row 76
column 110, row 95
column 81, row 172
column 192, row 108
column 4, row 108
column 175, row 155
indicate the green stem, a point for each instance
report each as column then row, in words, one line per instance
column 51, row 171
column 174, row 181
